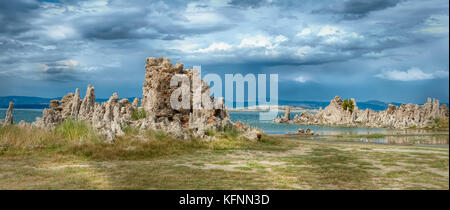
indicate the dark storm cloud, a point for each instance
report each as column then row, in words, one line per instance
column 158, row 21
column 118, row 24
column 315, row 46
column 14, row 16
column 363, row 7
column 117, row 27
column 247, row 3
column 353, row 9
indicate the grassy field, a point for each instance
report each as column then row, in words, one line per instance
column 72, row 156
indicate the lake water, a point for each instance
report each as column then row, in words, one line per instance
column 252, row 118
column 28, row 115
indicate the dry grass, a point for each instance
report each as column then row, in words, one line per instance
column 66, row 158
column 78, row 138
column 441, row 122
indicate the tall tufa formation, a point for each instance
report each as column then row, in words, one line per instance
column 109, row 117
column 195, row 117
column 404, row 116
column 287, row 116
column 9, row 120
column 106, row 117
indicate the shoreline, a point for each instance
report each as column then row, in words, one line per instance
column 357, row 135
column 361, row 126
column 32, row 109
column 279, row 108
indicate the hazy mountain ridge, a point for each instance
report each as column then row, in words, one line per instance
column 29, row 102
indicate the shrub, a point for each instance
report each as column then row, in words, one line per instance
column 348, row 105
column 76, row 130
column 127, row 129
column 157, row 134
column 210, row 132
column 441, row 122
column 345, row 104
column 230, row 132
column 138, row 114
column 351, row 106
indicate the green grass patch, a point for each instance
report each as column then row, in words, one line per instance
column 373, row 136
column 210, row 132
column 77, row 130
column 198, row 164
column 157, row 134
column 244, row 168
column 256, row 165
column 130, row 130
column 230, row 133
column 138, row 114
column 223, row 163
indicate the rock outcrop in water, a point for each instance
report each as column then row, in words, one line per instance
column 305, row 132
column 111, row 116
column 404, row 116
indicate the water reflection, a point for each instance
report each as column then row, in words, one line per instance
column 411, row 136
column 439, row 139
column 400, row 140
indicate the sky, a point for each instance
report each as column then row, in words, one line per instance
column 387, row 50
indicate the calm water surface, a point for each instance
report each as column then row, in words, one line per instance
column 252, row 118
column 28, row 115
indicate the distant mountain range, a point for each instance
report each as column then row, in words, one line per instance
column 26, row 102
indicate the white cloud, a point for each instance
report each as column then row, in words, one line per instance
column 255, row 41
column 332, row 39
column 204, row 18
column 185, row 45
column 334, row 34
column 374, row 54
column 300, row 79
column 441, row 74
column 435, row 24
column 262, row 41
column 95, row 6
column 411, row 74
column 303, row 51
column 60, row 32
column 70, row 63
column 220, row 46
column 44, row 67
column 304, row 32
column 328, row 30
column 280, row 38
column 61, row 65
